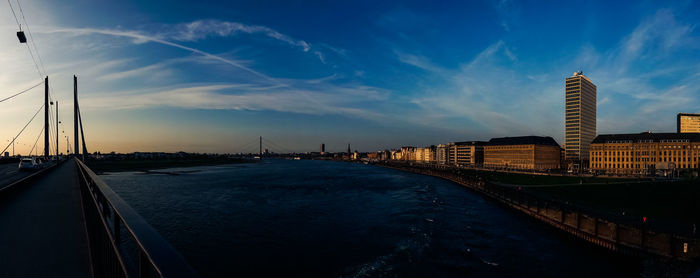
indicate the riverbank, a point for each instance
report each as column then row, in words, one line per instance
column 540, row 178
column 620, row 233
column 146, row 165
column 673, row 203
column 670, row 203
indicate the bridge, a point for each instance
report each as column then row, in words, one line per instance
column 60, row 219
column 64, row 221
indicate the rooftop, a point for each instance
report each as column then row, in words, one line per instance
column 580, row 74
column 654, row 137
column 471, row 143
column 523, row 140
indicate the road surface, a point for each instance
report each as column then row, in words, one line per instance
column 9, row 173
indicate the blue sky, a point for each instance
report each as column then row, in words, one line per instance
column 211, row 77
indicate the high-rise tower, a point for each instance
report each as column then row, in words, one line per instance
column 580, row 118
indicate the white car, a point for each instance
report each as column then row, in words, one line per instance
column 27, row 164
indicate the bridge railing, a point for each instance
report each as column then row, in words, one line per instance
column 121, row 242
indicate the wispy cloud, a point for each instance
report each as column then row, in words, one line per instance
column 507, row 10
column 202, row 29
column 419, row 62
column 320, row 56
column 140, row 71
column 496, row 95
column 315, row 96
column 642, row 81
column 476, row 93
column 144, row 37
column 316, row 99
column 653, row 39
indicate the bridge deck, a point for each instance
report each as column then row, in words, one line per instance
column 10, row 174
column 42, row 231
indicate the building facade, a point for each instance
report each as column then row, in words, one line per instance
column 395, row 155
column 523, row 153
column 468, row 153
column 425, row 155
column 441, row 154
column 408, row 153
column 580, row 111
column 451, row 153
column 645, row 153
column 688, row 123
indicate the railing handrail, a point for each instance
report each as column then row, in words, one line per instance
column 164, row 259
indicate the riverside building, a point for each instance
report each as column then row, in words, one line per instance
column 469, row 153
column 688, row 123
column 408, row 153
column 645, row 153
column 580, row 111
column 523, row 153
column 425, row 155
column 441, row 153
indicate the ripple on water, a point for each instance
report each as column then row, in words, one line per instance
column 282, row 218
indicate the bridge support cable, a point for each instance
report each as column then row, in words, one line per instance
column 53, row 126
column 247, row 147
column 82, row 135
column 22, row 92
column 274, row 145
column 25, row 126
column 39, row 71
column 36, row 141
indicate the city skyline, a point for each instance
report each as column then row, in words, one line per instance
column 156, row 77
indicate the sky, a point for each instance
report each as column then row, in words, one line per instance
column 213, row 77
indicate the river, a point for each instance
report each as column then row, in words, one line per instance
column 282, row 218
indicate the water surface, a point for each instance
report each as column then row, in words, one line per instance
column 281, row 218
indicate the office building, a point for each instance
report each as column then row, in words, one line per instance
column 323, row 149
column 523, row 153
column 441, row 154
column 468, row 153
column 580, row 111
column 451, row 152
column 425, row 155
column 688, row 123
column 408, row 153
column 645, row 153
